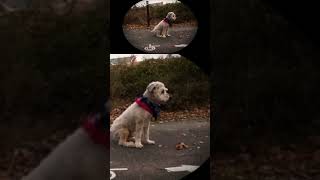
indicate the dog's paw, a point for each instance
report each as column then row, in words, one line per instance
column 139, row 145
column 132, row 139
column 127, row 144
column 150, row 142
column 161, row 36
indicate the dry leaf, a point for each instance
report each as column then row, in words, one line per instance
column 181, row 146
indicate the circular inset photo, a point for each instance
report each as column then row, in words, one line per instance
column 164, row 26
column 159, row 118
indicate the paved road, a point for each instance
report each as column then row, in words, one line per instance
column 141, row 38
column 149, row 162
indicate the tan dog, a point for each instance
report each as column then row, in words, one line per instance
column 135, row 120
column 162, row 28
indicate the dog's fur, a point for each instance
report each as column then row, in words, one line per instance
column 135, row 121
column 162, row 29
column 78, row 157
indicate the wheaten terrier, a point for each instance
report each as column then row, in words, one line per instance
column 135, row 120
column 163, row 27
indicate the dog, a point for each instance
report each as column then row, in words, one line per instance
column 162, row 28
column 82, row 156
column 135, row 120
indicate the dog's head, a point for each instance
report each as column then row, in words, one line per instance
column 157, row 92
column 171, row 16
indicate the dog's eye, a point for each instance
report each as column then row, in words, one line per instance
column 162, row 91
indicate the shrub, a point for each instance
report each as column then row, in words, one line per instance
column 187, row 84
column 138, row 15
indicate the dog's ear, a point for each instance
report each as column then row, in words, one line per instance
column 151, row 87
column 170, row 15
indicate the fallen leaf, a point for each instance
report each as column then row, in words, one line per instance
column 181, row 146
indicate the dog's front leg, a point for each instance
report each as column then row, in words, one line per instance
column 163, row 32
column 158, row 34
column 167, row 32
column 146, row 129
column 139, row 131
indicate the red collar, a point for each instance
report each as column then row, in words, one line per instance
column 144, row 105
column 151, row 107
column 97, row 135
column 168, row 21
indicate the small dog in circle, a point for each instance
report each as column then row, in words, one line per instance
column 135, row 120
column 162, row 28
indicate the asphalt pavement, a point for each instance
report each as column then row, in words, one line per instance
column 149, row 163
column 146, row 41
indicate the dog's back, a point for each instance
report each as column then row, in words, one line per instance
column 155, row 28
column 114, row 129
column 128, row 120
column 78, row 157
column 121, row 121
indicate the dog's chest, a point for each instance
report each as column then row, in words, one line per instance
column 164, row 24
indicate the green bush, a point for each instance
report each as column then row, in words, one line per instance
column 187, row 84
column 138, row 15
column 183, row 12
